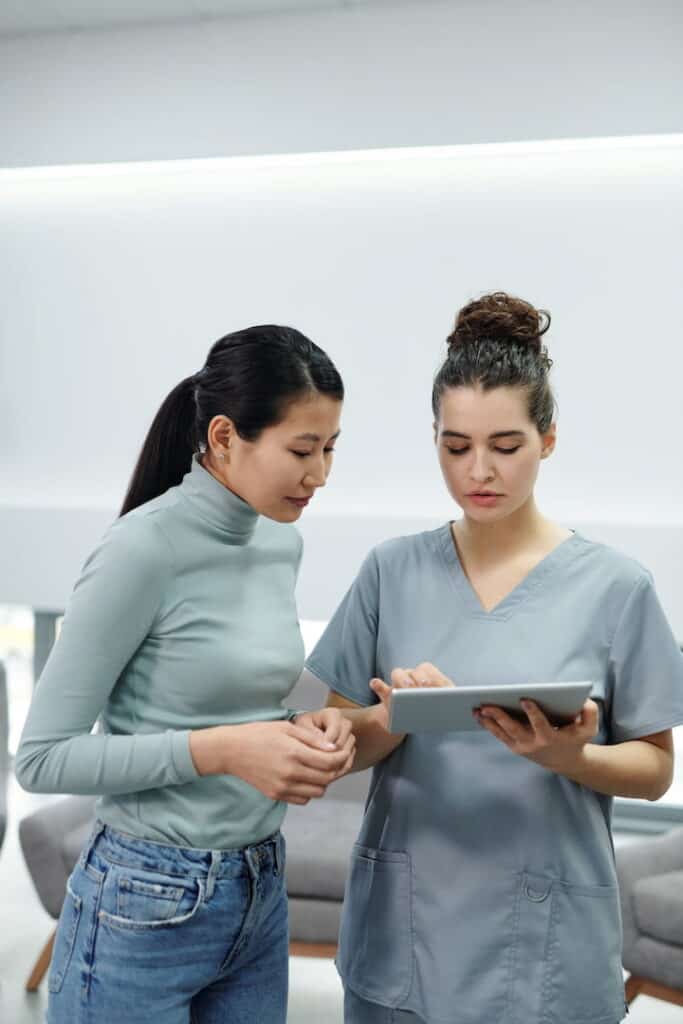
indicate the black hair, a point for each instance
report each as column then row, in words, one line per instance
column 496, row 342
column 251, row 376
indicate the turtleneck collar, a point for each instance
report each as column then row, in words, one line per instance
column 219, row 506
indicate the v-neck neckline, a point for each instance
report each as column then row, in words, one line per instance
column 519, row 593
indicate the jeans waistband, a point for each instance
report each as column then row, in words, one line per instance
column 184, row 861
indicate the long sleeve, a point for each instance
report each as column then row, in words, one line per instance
column 112, row 609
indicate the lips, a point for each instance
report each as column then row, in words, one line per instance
column 486, row 499
column 301, row 502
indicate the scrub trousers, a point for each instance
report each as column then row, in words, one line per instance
column 360, row 1011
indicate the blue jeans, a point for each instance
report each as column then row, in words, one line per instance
column 150, row 933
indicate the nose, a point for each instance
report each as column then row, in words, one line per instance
column 316, row 474
column 481, row 470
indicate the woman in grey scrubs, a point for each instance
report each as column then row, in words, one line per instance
column 482, row 887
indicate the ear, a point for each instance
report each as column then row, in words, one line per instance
column 219, row 436
column 548, row 441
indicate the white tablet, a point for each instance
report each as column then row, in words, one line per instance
column 449, row 709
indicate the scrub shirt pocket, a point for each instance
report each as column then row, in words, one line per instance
column 376, row 939
column 529, row 948
column 585, row 936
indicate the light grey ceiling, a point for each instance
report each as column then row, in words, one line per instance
column 19, row 17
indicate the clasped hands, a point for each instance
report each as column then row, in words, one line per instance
column 536, row 739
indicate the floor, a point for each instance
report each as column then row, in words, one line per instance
column 315, row 993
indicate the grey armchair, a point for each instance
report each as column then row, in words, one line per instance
column 4, row 752
column 651, row 886
column 319, row 838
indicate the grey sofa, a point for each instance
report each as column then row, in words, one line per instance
column 651, row 886
column 319, row 837
column 4, row 753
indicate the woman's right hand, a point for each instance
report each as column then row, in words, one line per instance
column 281, row 759
column 425, row 675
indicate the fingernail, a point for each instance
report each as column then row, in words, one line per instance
column 329, row 746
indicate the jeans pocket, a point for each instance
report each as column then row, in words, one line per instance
column 585, row 979
column 376, row 939
column 148, row 903
column 65, row 939
column 137, row 900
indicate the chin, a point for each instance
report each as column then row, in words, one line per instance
column 486, row 515
column 284, row 515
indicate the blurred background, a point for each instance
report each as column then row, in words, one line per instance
column 171, row 170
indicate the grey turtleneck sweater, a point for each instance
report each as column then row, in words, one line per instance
column 184, row 617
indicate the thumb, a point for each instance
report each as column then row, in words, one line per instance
column 383, row 691
column 590, row 714
column 312, row 736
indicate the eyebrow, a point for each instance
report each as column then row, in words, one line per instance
column 315, row 437
column 498, row 433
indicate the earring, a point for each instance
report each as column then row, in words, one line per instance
column 221, row 455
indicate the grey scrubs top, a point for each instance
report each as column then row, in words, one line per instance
column 482, row 887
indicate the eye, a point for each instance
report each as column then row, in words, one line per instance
column 303, row 455
column 457, row 451
column 508, row 451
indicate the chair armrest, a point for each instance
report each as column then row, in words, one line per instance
column 4, row 751
column 657, row 856
column 42, row 837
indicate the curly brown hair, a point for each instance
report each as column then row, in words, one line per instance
column 497, row 342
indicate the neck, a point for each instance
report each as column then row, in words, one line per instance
column 206, row 463
column 491, row 542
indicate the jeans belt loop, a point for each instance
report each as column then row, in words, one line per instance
column 277, row 853
column 212, row 874
column 252, row 859
column 97, row 830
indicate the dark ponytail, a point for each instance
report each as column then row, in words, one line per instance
column 251, row 376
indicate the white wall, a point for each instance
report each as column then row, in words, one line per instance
column 115, row 287
column 416, row 74
column 119, row 282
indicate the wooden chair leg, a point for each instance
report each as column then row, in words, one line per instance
column 658, row 991
column 41, row 965
column 318, row 949
column 634, row 986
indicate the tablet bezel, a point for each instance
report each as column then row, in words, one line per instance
column 449, row 709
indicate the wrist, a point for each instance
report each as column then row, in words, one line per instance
column 378, row 714
column 573, row 764
column 212, row 750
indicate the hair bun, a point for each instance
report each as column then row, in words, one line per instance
column 503, row 318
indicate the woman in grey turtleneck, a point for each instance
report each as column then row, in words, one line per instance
column 182, row 638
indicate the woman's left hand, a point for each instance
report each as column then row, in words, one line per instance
column 335, row 728
column 554, row 748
